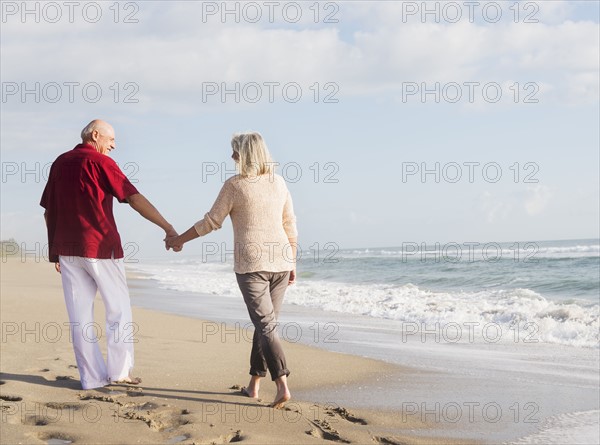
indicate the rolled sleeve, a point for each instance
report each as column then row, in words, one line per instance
column 207, row 225
column 213, row 220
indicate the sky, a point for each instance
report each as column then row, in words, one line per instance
column 392, row 122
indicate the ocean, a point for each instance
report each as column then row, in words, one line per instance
column 548, row 290
column 488, row 314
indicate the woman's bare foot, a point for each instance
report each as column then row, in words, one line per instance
column 253, row 387
column 283, row 393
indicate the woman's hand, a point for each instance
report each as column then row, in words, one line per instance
column 172, row 242
column 176, row 242
column 294, row 244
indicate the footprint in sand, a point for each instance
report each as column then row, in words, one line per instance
column 2, row 382
column 9, row 398
column 157, row 420
column 387, row 441
column 55, row 438
column 135, row 392
column 111, row 397
column 149, row 406
column 59, row 406
column 178, row 439
column 322, row 430
column 233, row 437
column 347, row 415
column 34, row 421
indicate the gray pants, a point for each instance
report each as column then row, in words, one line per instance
column 263, row 294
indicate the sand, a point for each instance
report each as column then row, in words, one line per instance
column 190, row 389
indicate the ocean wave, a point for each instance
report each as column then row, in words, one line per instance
column 524, row 251
column 579, row 427
column 513, row 314
column 520, row 315
column 191, row 276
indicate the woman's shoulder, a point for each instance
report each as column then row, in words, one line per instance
column 239, row 181
column 277, row 181
column 281, row 183
column 233, row 181
column 278, row 178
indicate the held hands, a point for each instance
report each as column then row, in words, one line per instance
column 172, row 242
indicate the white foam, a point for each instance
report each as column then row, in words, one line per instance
column 569, row 428
column 521, row 314
column 490, row 315
column 523, row 252
column 191, row 276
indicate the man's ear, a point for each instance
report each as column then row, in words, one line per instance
column 95, row 135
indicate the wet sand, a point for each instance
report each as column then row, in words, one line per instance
column 192, row 371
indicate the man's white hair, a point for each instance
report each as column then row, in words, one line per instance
column 96, row 124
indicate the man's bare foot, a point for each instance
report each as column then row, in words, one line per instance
column 130, row 380
column 253, row 387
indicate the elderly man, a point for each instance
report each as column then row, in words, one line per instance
column 86, row 248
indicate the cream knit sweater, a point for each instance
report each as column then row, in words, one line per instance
column 263, row 219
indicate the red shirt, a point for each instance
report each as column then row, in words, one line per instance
column 78, row 199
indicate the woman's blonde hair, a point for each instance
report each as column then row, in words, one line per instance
column 254, row 157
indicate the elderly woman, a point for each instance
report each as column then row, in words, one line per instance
column 265, row 238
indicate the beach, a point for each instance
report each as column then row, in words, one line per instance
column 192, row 371
column 505, row 348
column 428, row 170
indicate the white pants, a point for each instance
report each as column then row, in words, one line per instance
column 81, row 278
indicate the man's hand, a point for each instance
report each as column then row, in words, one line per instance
column 57, row 266
column 292, row 278
column 170, row 236
column 174, row 243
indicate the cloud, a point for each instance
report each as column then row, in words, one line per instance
column 555, row 11
column 360, row 218
column 169, row 59
column 171, row 56
column 494, row 208
column 538, row 197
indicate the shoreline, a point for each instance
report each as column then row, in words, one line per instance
column 189, row 392
column 495, row 392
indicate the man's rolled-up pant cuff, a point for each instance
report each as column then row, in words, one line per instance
column 92, row 384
